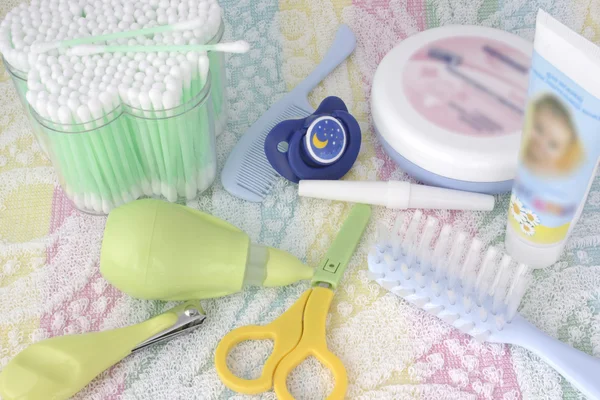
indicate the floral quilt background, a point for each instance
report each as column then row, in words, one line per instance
column 49, row 252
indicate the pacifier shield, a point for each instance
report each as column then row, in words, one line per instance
column 325, row 140
column 323, row 145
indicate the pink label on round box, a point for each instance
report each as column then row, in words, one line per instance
column 470, row 85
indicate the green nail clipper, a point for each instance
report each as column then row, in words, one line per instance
column 59, row 367
column 158, row 250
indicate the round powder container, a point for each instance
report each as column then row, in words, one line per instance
column 448, row 105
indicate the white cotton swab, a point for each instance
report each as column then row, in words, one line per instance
column 165, row 137
column 172, row 27
column 71, row 186
column 104, row 177
column 131, row 96
column 240, row 46
column 174, row 83
column 192, row 58
column 104, row 145
column 73, row 146
column 185, row 144
column 157, row 139
column 125, row 138
column 202, row 140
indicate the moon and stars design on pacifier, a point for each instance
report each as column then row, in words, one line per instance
column 323, row 145
column 325, row 140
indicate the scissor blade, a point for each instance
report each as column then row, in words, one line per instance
column 334, row 264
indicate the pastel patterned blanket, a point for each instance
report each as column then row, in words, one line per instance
column 49, row 252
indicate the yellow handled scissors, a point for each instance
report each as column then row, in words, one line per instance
column 300, row 331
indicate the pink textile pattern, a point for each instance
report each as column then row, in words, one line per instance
column 61, row 209
column 390, row 18
column 482, row 369
column 86, row 310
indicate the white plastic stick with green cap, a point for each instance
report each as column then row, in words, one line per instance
column 396, row 195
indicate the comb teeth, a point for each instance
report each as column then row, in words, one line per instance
column 474, row 289
column 256, row 174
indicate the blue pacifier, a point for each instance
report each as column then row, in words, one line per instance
column 323, row 145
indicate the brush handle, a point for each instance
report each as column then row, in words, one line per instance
column 579, row 368
column 342, row 46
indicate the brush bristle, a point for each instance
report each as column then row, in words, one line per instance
column 474, row 289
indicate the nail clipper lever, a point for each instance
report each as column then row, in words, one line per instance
column 187, row 319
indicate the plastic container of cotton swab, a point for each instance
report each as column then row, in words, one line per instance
column 123, row 143
column 38, row 27
column 137, row 115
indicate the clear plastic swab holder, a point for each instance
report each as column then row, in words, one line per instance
column 131, row 152
column 19, row 79
column 218, row 96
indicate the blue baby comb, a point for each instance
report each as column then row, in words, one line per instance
column 247, row 173
column 323, row 145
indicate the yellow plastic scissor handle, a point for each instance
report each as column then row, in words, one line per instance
column 285, row 332
column 313, row 343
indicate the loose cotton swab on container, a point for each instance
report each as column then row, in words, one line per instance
column 240, row 46
column 184, row 25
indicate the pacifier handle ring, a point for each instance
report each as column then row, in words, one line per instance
column 284, row 131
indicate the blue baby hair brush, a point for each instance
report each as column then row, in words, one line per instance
column 477, row 291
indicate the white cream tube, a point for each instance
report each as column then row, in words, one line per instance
column 560, row 146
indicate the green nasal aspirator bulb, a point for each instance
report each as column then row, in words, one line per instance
column 164, row 251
